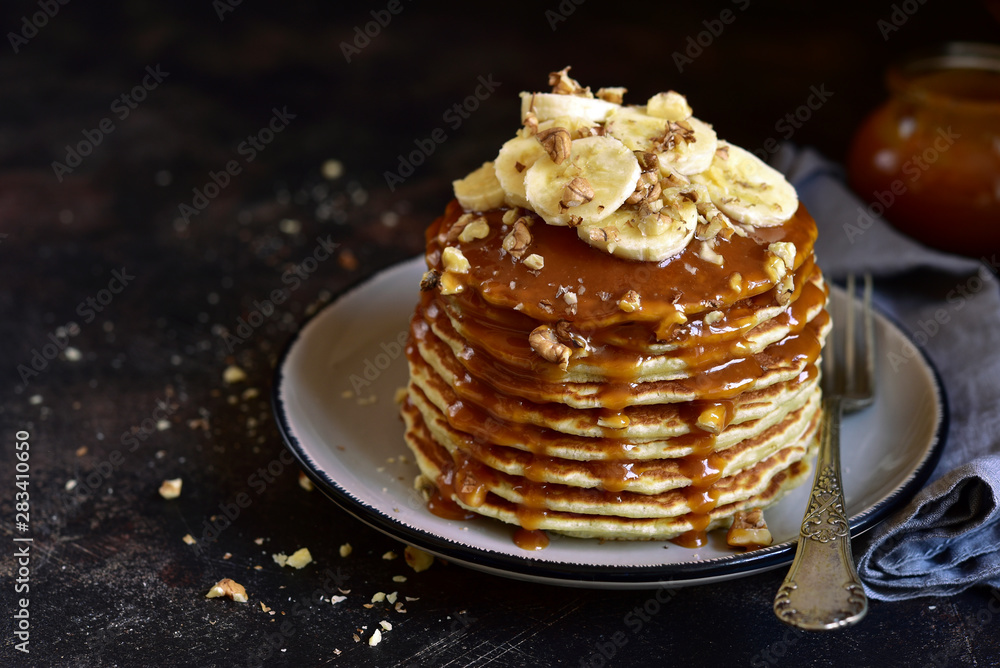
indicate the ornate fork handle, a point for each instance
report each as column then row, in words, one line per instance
column 822, row 589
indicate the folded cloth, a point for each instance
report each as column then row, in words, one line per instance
column 948, row 537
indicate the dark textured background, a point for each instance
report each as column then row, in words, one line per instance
column 111, row 581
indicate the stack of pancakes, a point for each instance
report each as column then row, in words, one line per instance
column 598, row 396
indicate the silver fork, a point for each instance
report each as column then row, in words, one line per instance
column 822, row 589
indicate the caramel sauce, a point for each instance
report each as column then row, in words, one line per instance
column 447, row 509
column 531, row 539
column 502, row 301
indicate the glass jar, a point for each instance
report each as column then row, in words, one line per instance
column 928, row 159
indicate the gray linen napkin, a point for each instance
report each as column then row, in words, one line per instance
column 948, row 537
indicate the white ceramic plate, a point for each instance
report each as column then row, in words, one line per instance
column 334, row 401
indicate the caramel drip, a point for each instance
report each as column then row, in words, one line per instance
column 531, row 539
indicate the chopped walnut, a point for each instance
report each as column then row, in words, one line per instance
column 171, row 489
column 563, row 84
column 775, row 269
column 749, row 530
column 458, row 227
column 736, row 281
column 429, row 280
column 531, row 123
column 577, row 192
column 229, row 588
column 648, row 162
column 455, row 261
column 722, row 152
column 712, row 419
column 713, row 317
column 557, row 142
column 418, row 560
column 630, row 302
column 518, row 239
column 785, row 250
column 785, row 289
column 708, row 254
column 299, row 559
column 676, row 179
column 544, row 341
column 477, row 229
column 510, row 215
column 534, row 261
column 615, row 94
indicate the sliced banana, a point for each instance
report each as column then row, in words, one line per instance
column 646, row 234
column 686, row 147
column 670, row 105
column 547, row 106
column 605, row 165
column 747, row 189
column 480, row 190
column 512, row 163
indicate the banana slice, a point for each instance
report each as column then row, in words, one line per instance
column 547, row 106
column 512, row 163
column 480, row 190
column 596, row 179
column 686, row 146
column 747, row 189
column 645, row 234
column 670, row 105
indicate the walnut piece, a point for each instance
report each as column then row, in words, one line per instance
column 299, row 559
column 418, row 560
column 171, row 489
column 577, row 192
column 563, row 84
column 429, row 280
column 630, row 302
column 477, row 229
column 534, row 261
column 749, row 530
column 544, row 341
column 615, row 94
column 518, row 239
column 557, row 142
column 228, row 588
column 454, row 261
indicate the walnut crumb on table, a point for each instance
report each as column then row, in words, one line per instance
column 228, row 588
column 171, row 489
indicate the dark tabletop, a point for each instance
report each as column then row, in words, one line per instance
column 144, row 212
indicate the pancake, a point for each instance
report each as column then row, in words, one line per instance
column 619, row 332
